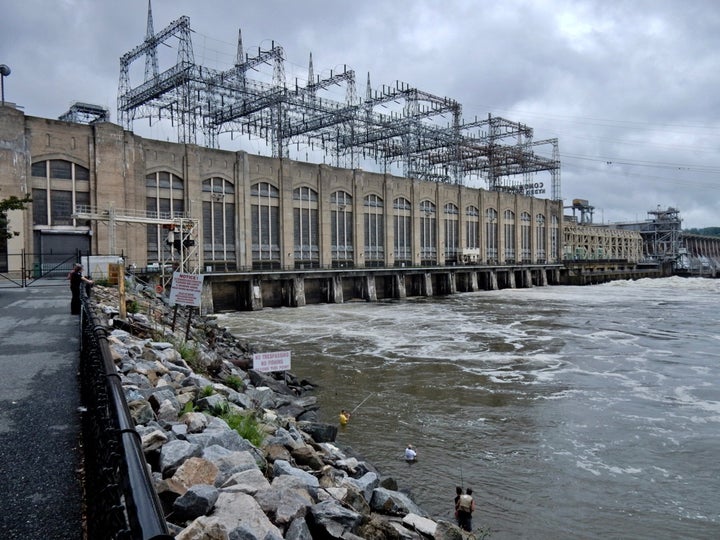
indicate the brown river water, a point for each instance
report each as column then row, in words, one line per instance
column 572, row 412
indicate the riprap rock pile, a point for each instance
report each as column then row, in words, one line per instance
column 291, row 483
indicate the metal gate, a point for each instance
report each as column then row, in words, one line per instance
column 37, row 269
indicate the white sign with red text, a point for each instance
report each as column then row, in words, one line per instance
column 271, row 361
column 186, row 289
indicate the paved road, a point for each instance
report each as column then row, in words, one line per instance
column 39, row 419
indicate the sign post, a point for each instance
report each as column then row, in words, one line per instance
column 186, row 289
column 271, row 361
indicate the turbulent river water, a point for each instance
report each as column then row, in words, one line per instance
column 572, row 412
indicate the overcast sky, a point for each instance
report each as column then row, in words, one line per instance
column 630, row 88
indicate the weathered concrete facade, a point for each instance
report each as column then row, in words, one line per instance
column 105, row 167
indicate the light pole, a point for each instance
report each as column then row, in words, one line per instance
column 4, row 72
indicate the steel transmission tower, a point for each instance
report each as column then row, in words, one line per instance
column 397, row 125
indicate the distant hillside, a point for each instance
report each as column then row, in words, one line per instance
column 707, row 231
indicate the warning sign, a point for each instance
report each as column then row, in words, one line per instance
column 186, row 289
column 271, row 361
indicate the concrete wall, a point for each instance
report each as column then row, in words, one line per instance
column 119, row 162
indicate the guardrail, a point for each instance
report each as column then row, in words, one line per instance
column 120, row 499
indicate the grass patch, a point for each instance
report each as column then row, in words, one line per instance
column 132, row 306
column 190, row 352
column 234, row 382
column 246, row 426
column 188, row 408
column 207, row 391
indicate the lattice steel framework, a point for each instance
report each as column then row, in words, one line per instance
column 396, row 125
column 85, row 113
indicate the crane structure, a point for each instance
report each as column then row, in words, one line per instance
column 398, row 125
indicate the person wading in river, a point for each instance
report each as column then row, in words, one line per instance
column 410, row 453
column 465, row 508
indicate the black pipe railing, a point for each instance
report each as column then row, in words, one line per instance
column 120, row 500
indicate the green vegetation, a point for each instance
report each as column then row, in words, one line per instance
column 11, row 203
column 234, row 382
column 246, row 425
column 190, row 352
column 207, row 391
column 188, row 408
column 132, row 306
column 707, row 231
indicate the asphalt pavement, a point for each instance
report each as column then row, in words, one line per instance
column 40, row 488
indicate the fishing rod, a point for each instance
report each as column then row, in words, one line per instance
column 363, row 401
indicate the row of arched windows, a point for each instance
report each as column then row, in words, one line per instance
column 266, row 251
column 65, row 185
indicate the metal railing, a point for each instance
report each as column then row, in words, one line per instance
column 121, row 502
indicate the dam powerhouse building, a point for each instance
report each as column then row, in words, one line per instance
column 271, row 230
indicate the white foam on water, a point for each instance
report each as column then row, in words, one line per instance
column 605, row 389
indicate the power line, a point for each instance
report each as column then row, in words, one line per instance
column 642, row 163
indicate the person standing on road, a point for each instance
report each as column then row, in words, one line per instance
column 76, row 280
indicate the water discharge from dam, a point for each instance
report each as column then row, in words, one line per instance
column 573, row 412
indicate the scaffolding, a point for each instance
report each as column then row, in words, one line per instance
column 181, row 236
column 399, row 125
column 661, row 234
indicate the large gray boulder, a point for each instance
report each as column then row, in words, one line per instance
column 284, row 505
column 298, row 530
column 329, row 519
column 236, row 515
column 394, row 503
column 320, row 432
column 197, row 501
column 250, row 481
column 228, row 462
column 175, row 453
column 281, row 468
column 366, row 484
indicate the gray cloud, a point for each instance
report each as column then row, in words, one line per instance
column 629, row 88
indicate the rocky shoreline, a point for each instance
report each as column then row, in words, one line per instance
column 239, row 454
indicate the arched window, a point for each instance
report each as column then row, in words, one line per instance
column 403, row 231
column 509, row 232
column 451, row 232
column 540, row 243
column 341, row 223
column 374, row 231
column 165, row 199
column 428, row 235
column 472, row 227
column 306, row 234
column 491, row 233
column 525, row 238
column 58, row 188
column 265, row 216
column 218, row 204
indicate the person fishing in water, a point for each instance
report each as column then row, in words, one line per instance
column 410, row 453
column 345, row 416
column 465, row 506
